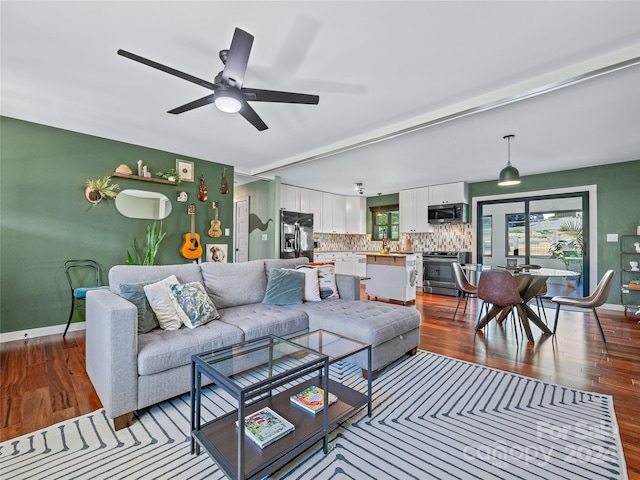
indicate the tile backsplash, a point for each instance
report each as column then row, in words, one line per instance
column 450, row 238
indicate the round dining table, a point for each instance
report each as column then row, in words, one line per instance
column 529, row 282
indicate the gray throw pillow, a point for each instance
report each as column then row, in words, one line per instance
column 285, row 287
column 134, row 292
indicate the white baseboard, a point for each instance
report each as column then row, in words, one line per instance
column 40, row 332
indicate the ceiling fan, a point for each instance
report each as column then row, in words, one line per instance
column 228, row 93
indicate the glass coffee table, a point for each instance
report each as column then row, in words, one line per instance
column 266, row 372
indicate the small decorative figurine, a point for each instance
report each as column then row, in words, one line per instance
column 637, row 245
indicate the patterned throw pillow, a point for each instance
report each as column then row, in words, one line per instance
column 326, row 280
column 194, row 306
column 285, row 287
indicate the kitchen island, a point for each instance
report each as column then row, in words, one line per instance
column 393, row 276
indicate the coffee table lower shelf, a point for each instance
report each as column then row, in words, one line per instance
column 219, row 438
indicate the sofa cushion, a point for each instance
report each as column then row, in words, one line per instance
column 162, row 350
column 192, row 301
column 370, row 322
column 260, row 319
column 234, row 284
column 284, row 263
column 185, row 273
column 134, row 292
column 284, row 287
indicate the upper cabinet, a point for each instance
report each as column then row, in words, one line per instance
column 448, row 193
column 333, row 213
column 289, row 198
column 414, row 215
column 356, row 219
column 315, row 207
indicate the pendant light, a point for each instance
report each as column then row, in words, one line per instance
column 509, row 174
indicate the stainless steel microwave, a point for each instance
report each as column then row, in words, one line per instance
column 448, row 213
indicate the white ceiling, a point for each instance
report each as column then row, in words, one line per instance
column 378, row 67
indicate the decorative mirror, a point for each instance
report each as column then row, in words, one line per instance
column 143, row 204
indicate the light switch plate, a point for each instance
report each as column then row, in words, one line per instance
column 226, row 232
column 612, row 237
column 265, row 236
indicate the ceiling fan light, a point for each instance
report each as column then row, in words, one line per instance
column 227, row 103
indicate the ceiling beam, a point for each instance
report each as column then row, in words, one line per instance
column 550, row 82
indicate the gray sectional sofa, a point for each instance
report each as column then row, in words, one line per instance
column 131, row 371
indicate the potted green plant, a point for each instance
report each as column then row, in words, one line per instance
column 99, row 189
column 172, row 175
column 152, row 241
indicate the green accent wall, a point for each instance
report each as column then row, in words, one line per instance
column 263, row 202
column 46, row 220
column 618, row 204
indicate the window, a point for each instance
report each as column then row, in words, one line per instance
column 486, row 235
column 386, row 222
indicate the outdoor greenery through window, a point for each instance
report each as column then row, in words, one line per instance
column 386, row 222
column 551, row 235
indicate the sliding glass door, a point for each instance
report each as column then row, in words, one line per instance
column 550, row 231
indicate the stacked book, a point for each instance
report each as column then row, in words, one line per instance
column 312, row 399
column 265, row 427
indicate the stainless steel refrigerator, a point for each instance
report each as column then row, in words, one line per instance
column 296, row 235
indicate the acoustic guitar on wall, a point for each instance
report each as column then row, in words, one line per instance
column 191, row 247
column 215, row 231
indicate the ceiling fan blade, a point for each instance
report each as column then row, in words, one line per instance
column 237, row 58
column 164, row 68
column 250, row 114
column 195, row 104
column 258, row 95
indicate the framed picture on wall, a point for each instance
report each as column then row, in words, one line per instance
column 185, row 170
column 216, row 252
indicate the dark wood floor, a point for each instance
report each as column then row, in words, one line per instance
column 44, row 382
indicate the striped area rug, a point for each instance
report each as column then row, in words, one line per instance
column 434, row 417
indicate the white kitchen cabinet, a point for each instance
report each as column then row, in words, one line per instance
column 305, row 200
column 333, row 213
column 356, row 216
column 289, row 198
column 315, row 207
column 457, row 192
column 360, row 264
column 414, row 205
column 346, row 263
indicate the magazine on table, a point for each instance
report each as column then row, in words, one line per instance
column 312, row 399
column 265, row 427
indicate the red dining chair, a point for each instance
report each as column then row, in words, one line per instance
column 596, row 299
column 499, row 288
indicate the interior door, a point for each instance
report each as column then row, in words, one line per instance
column 242, row 230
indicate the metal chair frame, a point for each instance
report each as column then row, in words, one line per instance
column 596, row 299
column 465, row 288
column 78, row 294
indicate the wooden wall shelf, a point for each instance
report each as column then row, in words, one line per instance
column 144, row 179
